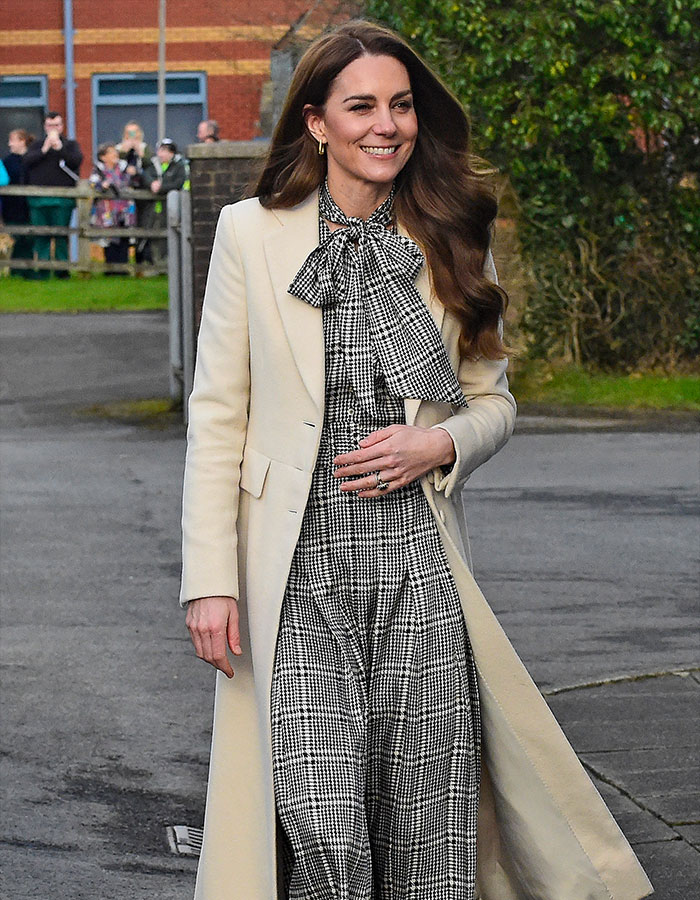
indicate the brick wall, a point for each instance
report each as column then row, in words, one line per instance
column 230, row 42
column 219, row 174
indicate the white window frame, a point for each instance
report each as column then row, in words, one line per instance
column 198, row 97
column 40, row 101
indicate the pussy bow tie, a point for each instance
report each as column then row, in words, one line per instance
column 367, row 261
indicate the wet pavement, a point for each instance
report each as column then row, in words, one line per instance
column 585, row 542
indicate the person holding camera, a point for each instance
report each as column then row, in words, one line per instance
column 52, row 161
column 135, row 152
column 137, row 155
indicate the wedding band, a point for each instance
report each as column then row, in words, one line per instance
column 381, row 485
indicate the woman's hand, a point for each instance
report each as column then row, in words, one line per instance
column 213, row 623
column 400, row 453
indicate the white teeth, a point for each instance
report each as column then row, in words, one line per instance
column 379, row 151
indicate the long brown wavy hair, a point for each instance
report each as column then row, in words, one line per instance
column 444, row 204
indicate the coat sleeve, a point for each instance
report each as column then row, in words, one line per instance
column 72, row 154
column 173, row 178
column 148, row 175
column 479, row 431
column 218, row 420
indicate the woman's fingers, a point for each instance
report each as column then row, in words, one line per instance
column 386, row 484
column 401, row 454
column 380, row 435
column 376, row 451
column 219, row 658
column 213, row 624
column 367, row 466
column 359, row 458
column 369, row 482
column 360, row 470
column 233, row 634
column 197, row 642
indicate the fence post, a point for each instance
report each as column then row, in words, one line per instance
column 84, row 203
column 173, row 204
column 187, row 294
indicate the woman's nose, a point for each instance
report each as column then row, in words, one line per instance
column 384, row 123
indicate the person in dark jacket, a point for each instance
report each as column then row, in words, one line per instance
column 137, row 155
column 14, row 209
column 52, row 161
column 166, row 172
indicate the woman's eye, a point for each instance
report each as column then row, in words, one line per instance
column 404, row 104
column 359, row 106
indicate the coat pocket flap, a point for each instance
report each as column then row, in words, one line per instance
column 253, row 471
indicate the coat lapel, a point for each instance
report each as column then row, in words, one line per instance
column 286, row 248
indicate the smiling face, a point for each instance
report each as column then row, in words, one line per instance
column 368, row 124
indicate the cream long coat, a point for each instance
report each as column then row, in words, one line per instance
column 255, row 422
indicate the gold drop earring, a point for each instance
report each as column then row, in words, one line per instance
column 321, row 147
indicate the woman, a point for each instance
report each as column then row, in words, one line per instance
column 134, row 150
column 14, row 209
column 137, row 155
column 111, row 177
column 347, row 384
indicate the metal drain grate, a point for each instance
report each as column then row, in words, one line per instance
column 184, row 840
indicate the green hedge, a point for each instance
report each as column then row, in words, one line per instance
column 591, row 111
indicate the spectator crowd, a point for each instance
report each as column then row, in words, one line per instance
column 54, row 161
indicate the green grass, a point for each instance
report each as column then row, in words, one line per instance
column 532, row 382
column 156, row 413
column 540, row 384
column 83, row 294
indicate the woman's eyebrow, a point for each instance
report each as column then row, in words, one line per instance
column 372, row 97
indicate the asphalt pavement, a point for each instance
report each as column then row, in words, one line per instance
column 585, row 542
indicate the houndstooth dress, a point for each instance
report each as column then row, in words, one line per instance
column 374, row 705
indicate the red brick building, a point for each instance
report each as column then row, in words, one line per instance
column 217, row 62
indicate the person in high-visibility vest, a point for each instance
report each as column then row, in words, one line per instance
column 166, row 172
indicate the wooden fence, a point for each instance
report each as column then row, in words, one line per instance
column 84, row 196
